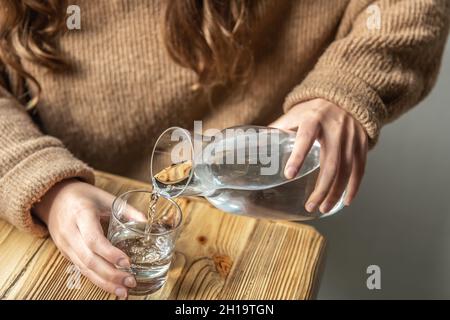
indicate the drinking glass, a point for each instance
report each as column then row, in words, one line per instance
column 148, row 244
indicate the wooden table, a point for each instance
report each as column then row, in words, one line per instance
column 218, row 256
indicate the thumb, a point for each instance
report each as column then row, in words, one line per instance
column 285, row 122
column 288, row 121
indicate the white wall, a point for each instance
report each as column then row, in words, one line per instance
column 401, row 218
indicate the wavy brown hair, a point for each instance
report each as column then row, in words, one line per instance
column 29, row 29
column 211, row 37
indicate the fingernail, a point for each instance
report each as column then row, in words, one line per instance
column 123, row 263
column 290, row 172
column 121, row 292
column 130, row 282
column 325, row 208
column 310, row 207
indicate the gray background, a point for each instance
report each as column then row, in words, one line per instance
column 401, row 217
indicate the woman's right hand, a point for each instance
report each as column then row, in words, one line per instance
column 72, row 210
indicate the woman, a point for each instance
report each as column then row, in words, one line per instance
column 98, row 97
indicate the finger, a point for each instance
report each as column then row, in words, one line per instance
column 134, row 214
column 98, row 265
column 306, row 135
column 289, row 121
column 359, row 165
column 124, row 209
column 330, row 154
column 92, row 234
column 343, row 175
column 118, row 290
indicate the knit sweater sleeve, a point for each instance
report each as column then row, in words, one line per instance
column 384, row 60
column 30, row 164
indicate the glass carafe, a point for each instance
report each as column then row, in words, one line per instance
column 239, row 170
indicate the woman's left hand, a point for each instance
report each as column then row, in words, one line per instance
column 344, row 146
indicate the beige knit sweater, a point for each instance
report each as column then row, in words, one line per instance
column 126, row 90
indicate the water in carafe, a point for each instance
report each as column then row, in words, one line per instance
column 239, row 170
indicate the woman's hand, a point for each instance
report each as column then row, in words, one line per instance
column 344, row 146
column 72, row 212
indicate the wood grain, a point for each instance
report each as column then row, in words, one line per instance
column 218, row 256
